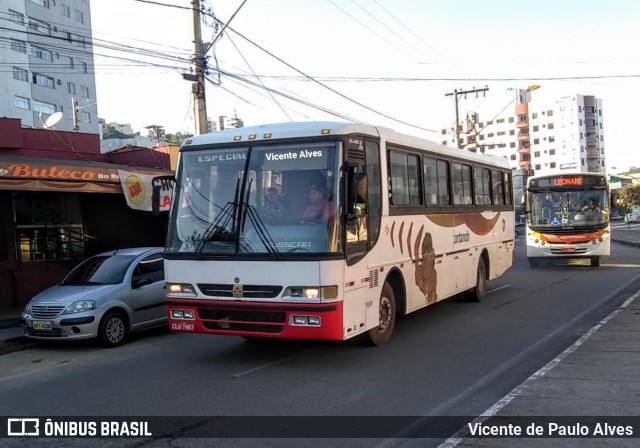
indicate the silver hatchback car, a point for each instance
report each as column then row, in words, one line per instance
column 106, row 296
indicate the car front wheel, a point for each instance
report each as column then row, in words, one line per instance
column 113, row 329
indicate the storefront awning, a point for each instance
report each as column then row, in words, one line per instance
column 26, row 173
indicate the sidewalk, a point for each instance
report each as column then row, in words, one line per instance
column 593, row 381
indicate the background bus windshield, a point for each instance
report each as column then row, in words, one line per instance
column 576, row 208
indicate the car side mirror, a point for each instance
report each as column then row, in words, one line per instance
column 142, row 282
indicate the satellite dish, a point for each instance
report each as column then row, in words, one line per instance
column 52, row 120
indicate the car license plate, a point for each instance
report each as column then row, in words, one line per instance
column 41, row 325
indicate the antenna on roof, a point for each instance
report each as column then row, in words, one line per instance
column 51, row 120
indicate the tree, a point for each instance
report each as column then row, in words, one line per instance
column 177, row 138
column 629, row 195
column 111, row 132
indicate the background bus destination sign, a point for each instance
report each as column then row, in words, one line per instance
column 565, row 181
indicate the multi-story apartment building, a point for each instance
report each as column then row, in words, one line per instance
column 47, row 54
column 541, row 138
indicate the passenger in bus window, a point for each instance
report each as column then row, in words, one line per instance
column 273, row 210
column 319, row 208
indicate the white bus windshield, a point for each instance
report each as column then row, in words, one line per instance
column 573, row 208
column 286, row 202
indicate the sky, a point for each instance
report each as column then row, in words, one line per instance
column 383, row 62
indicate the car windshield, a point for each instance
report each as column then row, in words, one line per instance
column 100, row 270
column 286, row 202
column 582, row 208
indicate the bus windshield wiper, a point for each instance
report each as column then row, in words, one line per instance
column 261, row 229
column 219, row 230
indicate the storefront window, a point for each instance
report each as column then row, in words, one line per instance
column 48, row 226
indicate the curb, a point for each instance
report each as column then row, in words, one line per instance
column 626, row 242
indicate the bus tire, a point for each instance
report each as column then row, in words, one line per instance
column 595, row 262
column 478, row 292
column 382, row 333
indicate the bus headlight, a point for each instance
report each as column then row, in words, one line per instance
column 325, row 292
column 181, row 288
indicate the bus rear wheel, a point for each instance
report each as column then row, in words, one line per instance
column 382, row 333
column 478, row 293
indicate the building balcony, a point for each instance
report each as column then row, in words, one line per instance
column 593, row 154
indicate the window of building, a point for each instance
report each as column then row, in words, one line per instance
column 19, row 46
column 512, row 145
column 69, row 63
column 44, row 81
column 404, row 179
column 534, row 115
column 500, row 120
column 549, row 113
column 71, row 88
column 49, row 225
column 536, row 129
column 501, row 133
column 41, row 53
column 21, row 102
column 512, row 157
column 39, row 26
column 490, row 135
column 84, row 67
column 538, row 166
column 512, row 132
column 536, row 154
column 45, row 108
column 80, row 41
column 86, row 117
column 552, row 152
column 79, row 16
column 552, row 165
column 16, row 17
column 66, row 11
column 550, row 126
column 536, row 141
column 84, row 91
column 20, row 74
column 511, row 120
column 44, row 3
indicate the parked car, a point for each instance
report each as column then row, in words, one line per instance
column 106, row 296
column 519, row 228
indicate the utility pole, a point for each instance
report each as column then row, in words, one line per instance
column 199, row 100
column 74, row 114
column 457, row 94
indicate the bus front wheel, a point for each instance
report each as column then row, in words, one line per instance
column 382, row 333
column 595, row 262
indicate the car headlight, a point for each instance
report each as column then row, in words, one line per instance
column 27, row 309
column 80, row 306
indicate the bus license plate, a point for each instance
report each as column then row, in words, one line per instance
column 568, row 250
column 41, row 325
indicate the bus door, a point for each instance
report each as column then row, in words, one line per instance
column 363, row 209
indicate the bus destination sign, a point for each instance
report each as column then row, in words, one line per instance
column 568, row 181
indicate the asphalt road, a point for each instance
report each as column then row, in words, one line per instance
column 453, row 358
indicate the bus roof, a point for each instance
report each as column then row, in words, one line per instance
column 289, row 130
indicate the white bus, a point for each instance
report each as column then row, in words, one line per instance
column 327, row 230
column 567, row 216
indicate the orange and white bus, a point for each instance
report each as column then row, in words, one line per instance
column 567, row 216
column 328, row 230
